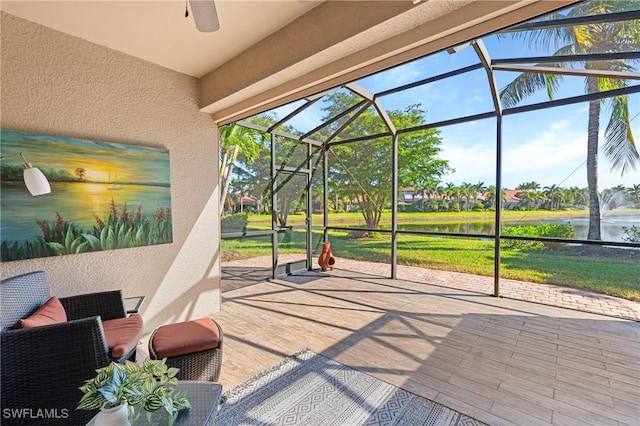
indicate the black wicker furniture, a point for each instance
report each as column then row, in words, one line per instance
column 42, row 367
column 195, row 347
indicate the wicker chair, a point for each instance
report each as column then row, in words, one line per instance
column 43, row 367
column 193, row 348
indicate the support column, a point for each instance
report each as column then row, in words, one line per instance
column 498, row 217
column 394, row 207
column 274, row 208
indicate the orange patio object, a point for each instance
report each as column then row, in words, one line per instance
column 326, row 259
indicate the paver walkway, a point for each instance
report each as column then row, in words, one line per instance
column 236, row 273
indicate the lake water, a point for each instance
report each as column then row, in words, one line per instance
column 611, row 227
column 75, row 201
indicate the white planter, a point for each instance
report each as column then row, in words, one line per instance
column 116, row 416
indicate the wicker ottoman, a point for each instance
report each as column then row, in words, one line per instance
column 195, row 347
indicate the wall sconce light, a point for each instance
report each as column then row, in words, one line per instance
column 34, row 179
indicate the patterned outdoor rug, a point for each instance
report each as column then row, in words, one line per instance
column 309, row 389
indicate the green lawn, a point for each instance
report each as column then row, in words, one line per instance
column 610, row 271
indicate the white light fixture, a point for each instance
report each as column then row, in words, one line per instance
column 456, row 49
column 204, row 15
column 34, row 179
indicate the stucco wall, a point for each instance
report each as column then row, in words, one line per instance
column 56, row 84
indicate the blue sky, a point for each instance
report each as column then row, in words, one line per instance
column 546, row 146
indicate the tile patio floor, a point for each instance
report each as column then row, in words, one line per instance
column 500, row 360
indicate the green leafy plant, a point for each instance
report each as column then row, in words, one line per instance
column 150, row 385
column 541, row 230
column 234, row 222
column 120, row 229
column 632, row 234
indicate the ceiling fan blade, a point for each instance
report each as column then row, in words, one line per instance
column 205, row 15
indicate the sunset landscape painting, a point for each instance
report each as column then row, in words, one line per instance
column 104, row 196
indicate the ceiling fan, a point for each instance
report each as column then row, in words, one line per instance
column 204, row 15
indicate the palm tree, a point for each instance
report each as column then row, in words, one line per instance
column 561, row 198
column 431, row 191
column 576, row 195
column 604, row 37
column 479, row 189
column 440, row 194
column 456, row 191
column 491, row 196
column 538, row 198
column 448, row 188
column 634, row 190
column 528, row 199
column 234, row 141
column 553, row 195
column 533, row 185
column 467, row 191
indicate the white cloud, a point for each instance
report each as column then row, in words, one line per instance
column 549, row 150
column 559, row 158
column 472, row 157
column 472, row 164
column 554, row 154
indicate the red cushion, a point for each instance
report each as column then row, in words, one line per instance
column 185, row 337
column 122, row 334
column 51, row 312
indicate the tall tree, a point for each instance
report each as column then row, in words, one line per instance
column 431, row 190
column 235, row 141
column 553, row 195
column 603, row 37
column 456, row 192
column 479, row 189
column 255, row 178
column 577, row 195
column 449, row 188
column 362, row 170
column 468, row 192
column 491, row 197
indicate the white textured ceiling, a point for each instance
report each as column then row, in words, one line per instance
column 157, row 31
